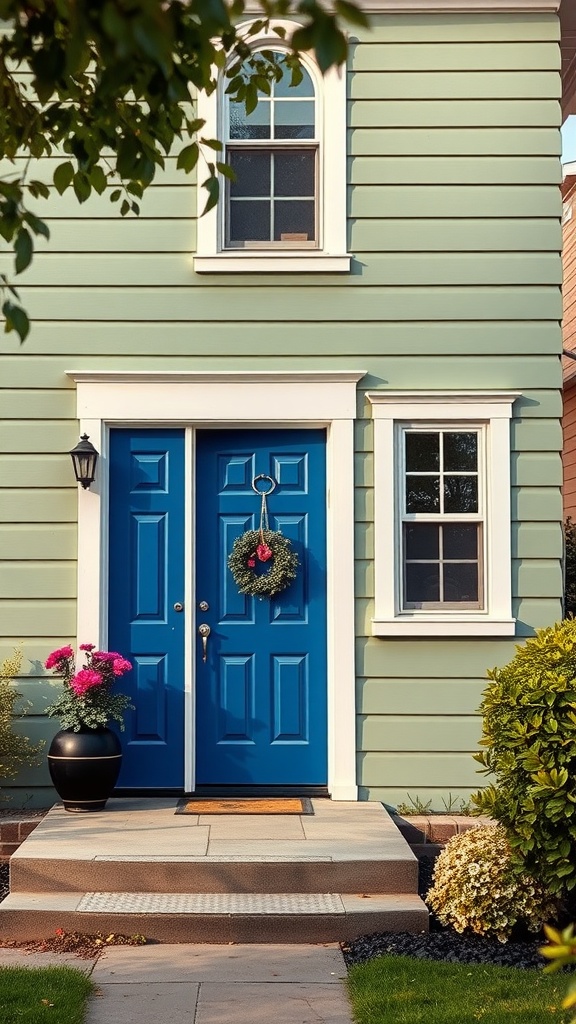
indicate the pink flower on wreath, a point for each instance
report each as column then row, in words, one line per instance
column 58, row 656
column 84, row 680
column 251, row 563
column 120, row 666
column 264, row 552
column 86, row 647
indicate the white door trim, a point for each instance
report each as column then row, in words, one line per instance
column 229, row 399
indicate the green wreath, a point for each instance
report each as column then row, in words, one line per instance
column 260, row 546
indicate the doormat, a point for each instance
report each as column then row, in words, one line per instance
column 245, row 805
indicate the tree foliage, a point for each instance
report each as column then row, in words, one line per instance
column 108, row 84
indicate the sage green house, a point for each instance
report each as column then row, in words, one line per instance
column 371, row 320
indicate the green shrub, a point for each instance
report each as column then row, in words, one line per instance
column 476, row 889
column 529, row 740
column 15, row 750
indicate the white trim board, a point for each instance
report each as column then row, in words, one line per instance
column 230, row 399
column 447, row 6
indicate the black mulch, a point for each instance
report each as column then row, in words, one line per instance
column 444, row 943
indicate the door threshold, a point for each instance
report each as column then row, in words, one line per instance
column 256, row 791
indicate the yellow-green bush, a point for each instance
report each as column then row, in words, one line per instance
column 476, row 889
column 529, row 741
column 15, row 750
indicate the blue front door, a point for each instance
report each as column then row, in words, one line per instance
column 146, row 581
column 261, row 693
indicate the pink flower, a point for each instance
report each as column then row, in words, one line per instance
column 84, row 680
column 264, row 552
column 58, row 656
column 106, row 655
column 251, row 563
column 86, row 647
column 120, row 666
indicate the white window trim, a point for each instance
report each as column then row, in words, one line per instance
column 232, row 399
column 493, row 408
column 332, row 257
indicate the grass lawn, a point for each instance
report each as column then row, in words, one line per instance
column 33, row 996
column 400, row 990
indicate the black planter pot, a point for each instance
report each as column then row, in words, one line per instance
column 84, row 767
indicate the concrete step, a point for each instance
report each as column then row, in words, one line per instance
column 213, row 917
column 393, row 872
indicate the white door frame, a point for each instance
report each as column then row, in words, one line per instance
column 232, row 399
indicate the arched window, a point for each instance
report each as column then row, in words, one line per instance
column 274, row 154
column 286, row 208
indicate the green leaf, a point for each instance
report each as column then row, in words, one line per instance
column 115, row 195
column 39, row 188
column 351, row 13
column 37, row 226
column 212, row 186
column 82, row 186
column 188, row 158
column 16, row 319
column 98, row 179
column 212, row 144
column 63, row 176
column 23, row 248
column 226, row 170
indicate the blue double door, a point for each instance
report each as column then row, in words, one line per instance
column 259, row 699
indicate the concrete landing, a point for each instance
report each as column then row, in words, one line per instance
column 138, row 866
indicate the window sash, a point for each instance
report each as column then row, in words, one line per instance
column 441, row 518
column 271, row 147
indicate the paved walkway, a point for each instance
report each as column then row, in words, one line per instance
column 200, row 984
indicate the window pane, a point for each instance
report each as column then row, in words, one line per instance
column 460, row 493
column 422, row 540
column 422, row 583
column 460, row 452
column 249, row 220
column 252, row 171
column 283, row 87
column 422, row 452
column 422, row 493
column 293, row 120
column 250, row 126
column 460, row 582
column 294, row 216
column 461, row 541
column 294, row 173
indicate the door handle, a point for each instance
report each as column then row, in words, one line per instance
column 204, row 631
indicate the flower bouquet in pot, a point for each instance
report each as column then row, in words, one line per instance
column 85, row 756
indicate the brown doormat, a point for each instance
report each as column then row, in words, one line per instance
column 245, row 805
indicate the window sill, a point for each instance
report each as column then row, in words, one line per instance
column 444, row 626
column 270, row 263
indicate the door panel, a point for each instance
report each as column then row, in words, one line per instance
column 261, row 694
column 146, row 579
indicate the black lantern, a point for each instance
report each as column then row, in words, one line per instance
column 84, row 458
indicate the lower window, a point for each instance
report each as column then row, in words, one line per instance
column 442, row 513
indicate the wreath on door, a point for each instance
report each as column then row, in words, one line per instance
column 256, row 549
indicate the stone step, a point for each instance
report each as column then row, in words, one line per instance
column 396, row 872
column 213, row 917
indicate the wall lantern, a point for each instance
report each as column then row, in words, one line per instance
column 84, row 458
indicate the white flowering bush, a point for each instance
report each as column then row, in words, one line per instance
column 475, row 888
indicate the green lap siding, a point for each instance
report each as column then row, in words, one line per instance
column 454, row 225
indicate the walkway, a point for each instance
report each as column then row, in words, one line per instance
column 199, row 984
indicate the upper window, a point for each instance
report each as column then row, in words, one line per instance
column 285, row 210
column 442, row 513
column 273, row 151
